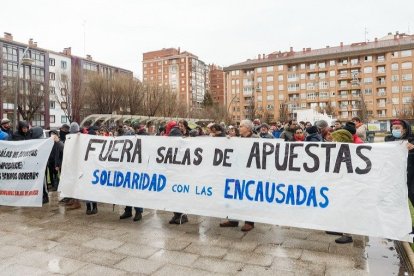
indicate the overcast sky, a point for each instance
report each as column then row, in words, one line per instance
column 223, row 32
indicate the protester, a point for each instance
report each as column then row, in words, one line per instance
column 55, row 160
column 246, row 131
column 3, row 135
column 313, row 135
column 337, row 125
column 22, row 132
column 299, row 136
column 361, row 128
column 233, row 131
column 5, row 126
column 173, row 129
column 63, row 131
column 289, row 131
column 264, row 131
column 257, row 124
column 217, row 131
column 184, row 128
column 401, row 131
column 342, row 136
column 277, row 131
column 72, row 203
column 323, row 127
column 350, row 126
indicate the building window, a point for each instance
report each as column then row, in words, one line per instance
column 63, row 105
column 63, row 91
column 407, row 88
column 259, row 70
column 332, row 73
column 52, row 104
column 269, row 69
column 51, row 62
column 63, row 119
column 368, row 69
column 52, row 90
column 281, row 88
column 303, row 66
column 332, row 63
column 406, row 65
column 368, row 58
column 269, row 88
column 270, row 97
column 406, row 53
column 394, row 66
column 395, row 78
column 312, row 66
column 407, row 77
column 381, row 58
column 280, row 77
column 321, row 65
column 52, row 76
column 395, row 89
column 367, row 80
column 52, row 118
column 63, row 64
column 280, row 67
column 269, row 78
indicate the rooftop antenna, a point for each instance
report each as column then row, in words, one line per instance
column 84, row 37
column 365, row 33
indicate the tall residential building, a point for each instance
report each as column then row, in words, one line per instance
column 182, row 72
column 33, row 80
column 60, row 77
column 372, row 77
column 216, row 84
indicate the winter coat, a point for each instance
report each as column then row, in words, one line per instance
column 314, row 137
column 56, row 155
column 287, row 134
column 19, row 135
column 266, row 135
column 175, row 131
column 3, row 135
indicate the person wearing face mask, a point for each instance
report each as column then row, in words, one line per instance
column 401, row 131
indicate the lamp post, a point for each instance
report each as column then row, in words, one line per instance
column 23, row 61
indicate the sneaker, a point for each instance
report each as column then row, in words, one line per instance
column 138, row 216
column 173, row 219
column 125, row 215
column 247, row 227
column 229, row 223
column 344, row 239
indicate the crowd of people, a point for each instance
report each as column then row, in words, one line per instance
column 353, row 131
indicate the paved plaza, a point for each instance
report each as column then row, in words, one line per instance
column 51, row 240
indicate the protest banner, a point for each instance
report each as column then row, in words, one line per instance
column 22, row 171
column 359, row 189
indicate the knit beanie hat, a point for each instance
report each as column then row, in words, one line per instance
column 343, row 136
column 74, row 127
column 321, row 124
column 312, row 130
column 350, row 126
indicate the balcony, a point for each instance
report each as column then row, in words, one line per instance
column 344, row 76
column 356, row 107
column 382, row 83
column 381, row 115
column 381, row 105
column 381, row 72
column 355, row 64
column 381, row 94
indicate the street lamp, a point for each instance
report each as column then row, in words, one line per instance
column 23, row 61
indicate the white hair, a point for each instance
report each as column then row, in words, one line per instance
column 247, row 123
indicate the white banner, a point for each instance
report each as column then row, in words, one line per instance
column 358, row 189
column 22, row 171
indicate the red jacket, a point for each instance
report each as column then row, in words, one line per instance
column 357, row 140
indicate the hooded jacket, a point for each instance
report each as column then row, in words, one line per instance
column 19, row 135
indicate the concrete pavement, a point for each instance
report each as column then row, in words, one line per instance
column 51, row 240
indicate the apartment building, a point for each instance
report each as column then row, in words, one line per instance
column 372, row 77
column 216, row 84
column 182, row 72
column 61, row 75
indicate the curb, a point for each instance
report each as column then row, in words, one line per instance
column 410, row 254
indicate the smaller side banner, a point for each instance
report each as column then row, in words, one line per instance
column 22, row 171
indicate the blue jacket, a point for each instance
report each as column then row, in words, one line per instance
column 3, row 135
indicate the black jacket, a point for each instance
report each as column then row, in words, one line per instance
column 19, row 135
column 56, row 155
column 175, row 131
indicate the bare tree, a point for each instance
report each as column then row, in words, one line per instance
column 135, row 96
column 63, row 94
column 32, row 100
column 78, row 89
column 363, row 111
column 283, row 112
column 153, row 98
column 330, row 109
